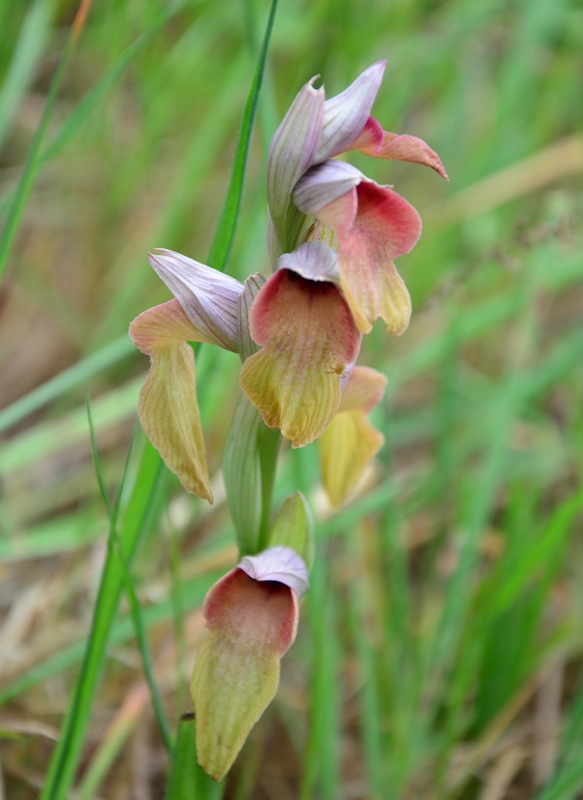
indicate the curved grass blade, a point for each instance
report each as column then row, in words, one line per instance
column 225, row 232
column 68, row 749
column 30, row 165
column 97, row 460
column 145, row 651
column 132, row 597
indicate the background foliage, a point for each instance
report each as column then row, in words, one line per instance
column 440, row 648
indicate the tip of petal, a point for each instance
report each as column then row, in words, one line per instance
column 281, row 564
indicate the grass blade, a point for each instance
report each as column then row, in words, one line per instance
column 68, row 749
column 321, row 776
column 145, row 651
column 132, row 599
column 228, row 220
column 71, row 378
column 97, row 460
column 27, row 52
column 18, row 203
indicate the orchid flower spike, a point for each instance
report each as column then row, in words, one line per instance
column 373, row 225
column 252, row 616
column 206, row 309
column 308, row 336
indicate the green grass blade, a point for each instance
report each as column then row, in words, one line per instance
column 228, row 220
column 321, row 776
column 68, row 749
column 71, row 378
column 122, row 631
column 371, row 707
column 84, row 108
column 103, row 760
column 188, row 781
column 97, row 460
column 134, row 605
column 145, row 651
column 27, row 52
column 20, row 197
column 94, row 96
column 54, row 435
column 566, row 786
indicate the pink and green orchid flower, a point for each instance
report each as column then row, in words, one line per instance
column 373, row 224
column 252, row 617
column 206, row 309
column 308, row 336
column 295, row 335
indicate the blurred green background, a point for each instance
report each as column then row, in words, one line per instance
column 441, row 646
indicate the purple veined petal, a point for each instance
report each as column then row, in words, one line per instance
column 315, row 261
column 281, row 564
column 209, row 297
column 292, row 151
column 323, row 184
column 346, row 114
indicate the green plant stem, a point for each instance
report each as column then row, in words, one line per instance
column 223, row 241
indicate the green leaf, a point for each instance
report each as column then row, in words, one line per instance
column 294, row 527
column 188, row 780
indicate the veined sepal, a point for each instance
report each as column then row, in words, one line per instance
column 167, row 407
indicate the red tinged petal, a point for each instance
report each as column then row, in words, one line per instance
column 252, row 624
column 385, row 227
column 375, row 142
column 254, row 611
column 308, row 336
